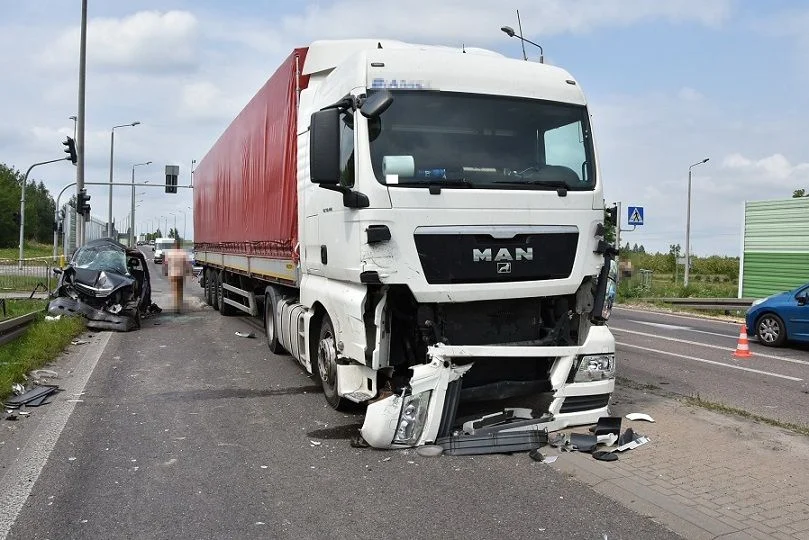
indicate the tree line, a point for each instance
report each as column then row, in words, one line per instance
column 39, row 209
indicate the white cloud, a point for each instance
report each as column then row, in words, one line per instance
column 147, row 41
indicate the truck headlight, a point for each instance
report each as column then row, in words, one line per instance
column 595, row 367
column 412, row 418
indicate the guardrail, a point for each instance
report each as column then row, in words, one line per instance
column 707, row 303
column 13, row 328
column 26, row 275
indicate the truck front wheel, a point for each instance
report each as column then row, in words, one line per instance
column 327, row 363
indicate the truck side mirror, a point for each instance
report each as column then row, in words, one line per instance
column 376, row 104
column 324, row 147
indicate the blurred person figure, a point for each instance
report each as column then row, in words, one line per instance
column 176, row 261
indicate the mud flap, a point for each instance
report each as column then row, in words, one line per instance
column 383, row 417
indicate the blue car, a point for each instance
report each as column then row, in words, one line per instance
column 780, row 317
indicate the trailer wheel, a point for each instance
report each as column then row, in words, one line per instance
column 208, row 289
column 224, row 308
column 327, row 363
column 214, row 278
column 270, row 321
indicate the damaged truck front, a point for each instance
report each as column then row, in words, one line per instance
column 426, row 235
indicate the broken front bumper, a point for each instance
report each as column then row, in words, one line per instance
column 96, row 318
column 427, row 409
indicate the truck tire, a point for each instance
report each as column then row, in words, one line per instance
column 214, row 277
column 271, row 298
column 208, row 289
column 224, row 308
column 326, row 363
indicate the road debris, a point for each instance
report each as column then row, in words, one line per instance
column 79, row 342
column 246, row 334
column 639, row 416
column 430, row 450
column 32, row 398
column 52, row 318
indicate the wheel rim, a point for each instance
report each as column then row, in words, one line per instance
column 769, row 329
column 327, row 358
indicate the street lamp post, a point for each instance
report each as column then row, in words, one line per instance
column 688, row 226
column 132, row 221
column 112, row 151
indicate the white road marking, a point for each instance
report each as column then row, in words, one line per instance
column 705, row 361
column 662, row 325
column 19, row 479
column 719, row 347
column 688, row 328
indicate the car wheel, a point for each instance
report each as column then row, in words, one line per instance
column 270, row 321
column 326, row 364
column 224, row 308
column 770, row 330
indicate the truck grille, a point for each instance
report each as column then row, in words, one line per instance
column 584, row 403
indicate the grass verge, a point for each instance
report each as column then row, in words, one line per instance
column 718, row 407
column 43, row 342
column 22, row 306
column 31, row 250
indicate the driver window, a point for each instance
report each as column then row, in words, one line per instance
column 563, row 147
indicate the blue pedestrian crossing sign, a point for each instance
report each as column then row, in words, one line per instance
column 635, row 215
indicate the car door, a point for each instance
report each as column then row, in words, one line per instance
column 796, row 316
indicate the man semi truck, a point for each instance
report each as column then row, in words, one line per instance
column 420, row 227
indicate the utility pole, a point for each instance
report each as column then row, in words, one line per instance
column 688, row 227
column 80, row 123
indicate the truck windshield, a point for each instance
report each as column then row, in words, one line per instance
column 482, row 141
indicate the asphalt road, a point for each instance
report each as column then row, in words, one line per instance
column 694, row 357
column 189, row 431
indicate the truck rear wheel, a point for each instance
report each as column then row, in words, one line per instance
column 224, row 308
column 214, row 278
column 326, row 364
column 208, row 289
column 270, row 321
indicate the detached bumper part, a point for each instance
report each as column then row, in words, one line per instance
column 97, row 318
column 413, row 419
column 493, row 443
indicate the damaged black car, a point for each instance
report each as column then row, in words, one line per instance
column 106, row 282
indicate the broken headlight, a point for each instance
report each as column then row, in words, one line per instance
column 412, row 418
column 595, row 367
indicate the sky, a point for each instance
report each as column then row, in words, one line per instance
column 668, row 84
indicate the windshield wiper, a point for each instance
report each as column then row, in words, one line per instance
column 534, row 182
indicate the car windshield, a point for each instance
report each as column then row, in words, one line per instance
column 468, row 140
column 104, row 258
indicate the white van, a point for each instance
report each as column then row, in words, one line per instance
column 160, row 246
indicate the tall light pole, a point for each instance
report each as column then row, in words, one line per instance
column 688, row 225
column 112, row 152
column 132, row 210
column 80, row 121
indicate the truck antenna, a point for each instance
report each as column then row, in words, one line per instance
column 519, row 25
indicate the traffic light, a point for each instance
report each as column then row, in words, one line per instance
column 172, row 172
column 70, row 150
column 83, row 203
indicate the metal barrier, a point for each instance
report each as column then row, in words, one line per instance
column 26, row 276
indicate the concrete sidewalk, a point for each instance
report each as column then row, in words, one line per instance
column 703, row 474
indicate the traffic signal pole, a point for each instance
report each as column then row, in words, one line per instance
column 22, row 202
column 80, row 124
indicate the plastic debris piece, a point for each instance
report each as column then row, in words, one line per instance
column 536, row 455
column 601, row 455
column 79, row 342
column 18, row 389
column 639, row 416
column 43, row 374
column 52, row 318
column 583, row 442
column 550, row 459
column 246, row 334
column 430, row 450
column 626, row 437
column 557, row 439
column 386, row 459
column 359, row 442
column 31, row 397
column 24, row 413
column 608, row 424
column 633, row 444
column 315, row 443
column 608, row 439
